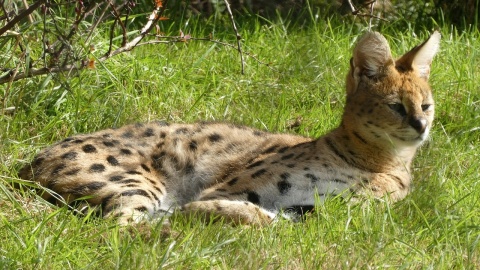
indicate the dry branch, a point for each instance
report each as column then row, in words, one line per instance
column 239, row 38
column 21, row 16
column 66, row 43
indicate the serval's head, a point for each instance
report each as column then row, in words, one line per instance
column 389, row 101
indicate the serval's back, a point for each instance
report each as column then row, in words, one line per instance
column 246, row 175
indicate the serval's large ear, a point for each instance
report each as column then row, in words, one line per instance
column 371, row 58
column 420, row 57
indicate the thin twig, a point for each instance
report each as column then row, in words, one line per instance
column 239, row 38
column 356, row 12
column 30, row 18
column 93, row 27
column 38, row 71
column 179, row 39
column 21, row 16
column 152, row 21
column 119, row 20
column 73, row 29
column 371, row 13
column 64, row 40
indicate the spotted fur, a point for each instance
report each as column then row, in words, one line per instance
column 246, row 175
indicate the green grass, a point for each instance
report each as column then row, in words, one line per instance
column 436, row 227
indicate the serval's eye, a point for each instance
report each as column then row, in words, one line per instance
column 426, row 107
column 399, row 108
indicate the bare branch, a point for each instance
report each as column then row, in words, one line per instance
column 30, row 19
column 152, row 20
column 356, row 12
column 67, row 45
column 119, row 20
column 21, row 16
column 239, row 38
column 371, row 13
column 35, row 72
column 177, row 39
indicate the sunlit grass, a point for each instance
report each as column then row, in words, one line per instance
column 436, row 227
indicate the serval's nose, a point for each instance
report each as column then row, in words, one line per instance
column 419, row 124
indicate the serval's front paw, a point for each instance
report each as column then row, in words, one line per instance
column 235, row 212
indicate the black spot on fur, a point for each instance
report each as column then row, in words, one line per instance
column 284, row 186
column 271, row 149
column 256, row 164
column 125, row 151
column 88, row 188
column 215, row 137
column 193, row 145
column 127, row 135
column 158, row 156
column 158, row 189
column 134, row 172
column 290, row 165
column 97, row 168
column 336, row 180
column 288, row 156
column 88, row 148
column 116, row 178
column 108, row 143
column 300, row 155
column 145, row 167
column 37, row 161
column 134, row 192
column 312, row 177
column 72, row 172
column 141, row 209
column 148, row 133
column 334, row 149
column 129, row 181
column 360, row 138
column 77, row 141
column 154, row 196
column 112, row 161
column 283, row 149
column 233, row 181
column 258, row 173
column 253, row 197
column 58, row 168
column 69, row 155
